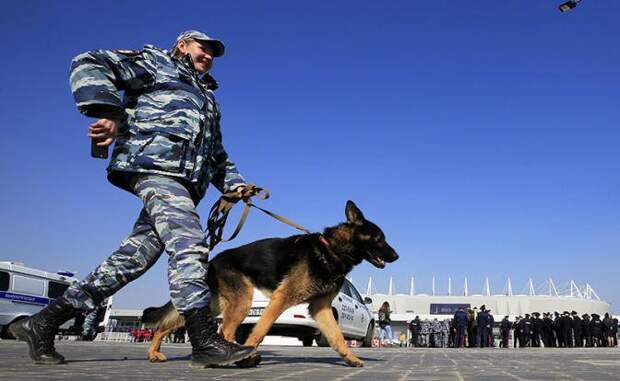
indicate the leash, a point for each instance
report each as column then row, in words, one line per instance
column 221, row 208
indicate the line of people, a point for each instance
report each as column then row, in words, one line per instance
column 565, row 330
column 474, row 328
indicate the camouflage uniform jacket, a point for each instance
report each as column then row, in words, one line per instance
column 170, row 121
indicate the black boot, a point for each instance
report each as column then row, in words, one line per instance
column 40, row 329
column 208, row 347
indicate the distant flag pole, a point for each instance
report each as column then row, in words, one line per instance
column 369, row 288
column 465, row 288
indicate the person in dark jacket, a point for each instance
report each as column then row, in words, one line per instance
column 525, row 327
column 168, row 149
column 587, row 332
column 596, row 329
column 577, row 329
column 607, row 339
column 537, row 329
column 472, row 327
column 566, row 327
column 516, row 329
column 614, row 331
column 484, row 325
column 557, row 330
column 491, row 325
column 548, row 338
column 460, row 325
column 414, row 328
column 505, row 331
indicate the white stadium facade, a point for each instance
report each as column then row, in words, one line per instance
column 545, row 298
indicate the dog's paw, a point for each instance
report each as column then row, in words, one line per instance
column 157, row 357
column 354, row 362
column 250, row 362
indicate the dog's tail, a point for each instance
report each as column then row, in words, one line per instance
column 164, row 317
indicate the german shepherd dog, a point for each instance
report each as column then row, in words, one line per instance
column 299, row 269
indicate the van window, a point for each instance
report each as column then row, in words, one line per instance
column 5, row 280
column 56, row 289
column 28, row 285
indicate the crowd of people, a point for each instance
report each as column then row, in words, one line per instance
column 565, row 330
column 475, row 328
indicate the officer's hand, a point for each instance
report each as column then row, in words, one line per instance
column 104, row 130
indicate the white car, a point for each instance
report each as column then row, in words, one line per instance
column 350, row 310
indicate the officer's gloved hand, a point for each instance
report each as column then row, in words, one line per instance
column 245, row 192
column 236, row 194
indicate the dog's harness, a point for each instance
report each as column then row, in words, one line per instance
column 220, row 210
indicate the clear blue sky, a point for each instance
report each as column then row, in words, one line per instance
column 482, row 136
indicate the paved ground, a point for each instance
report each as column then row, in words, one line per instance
column 116, row 361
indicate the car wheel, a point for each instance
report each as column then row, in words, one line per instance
column 307, row 341
column 367, row 342
column 321, row 341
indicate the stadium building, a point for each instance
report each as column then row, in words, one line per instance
column 405, row 307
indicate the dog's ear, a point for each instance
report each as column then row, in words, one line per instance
column 354, row 215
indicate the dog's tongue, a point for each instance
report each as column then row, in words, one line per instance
column 378, row 262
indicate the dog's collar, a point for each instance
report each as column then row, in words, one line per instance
column 325, row 242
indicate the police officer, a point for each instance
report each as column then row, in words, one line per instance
column 525, row 326
column 491, row 325
column 484, row 323
column 516, row 328
column 414, row 328
column 168, row 149
column 577, row 329
column 460, row 325
column 435, row 333
column 557, row 330
column 587, row 333
column 505, row 330
column 614, row 331
column 537, row 329
column 566, row 328
column 548, row 338
column 424, row 332
column 596, row 329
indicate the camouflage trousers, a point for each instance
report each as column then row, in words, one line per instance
column 168, row 221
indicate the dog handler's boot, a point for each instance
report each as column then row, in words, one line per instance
column 39, row 330
column 209, row 349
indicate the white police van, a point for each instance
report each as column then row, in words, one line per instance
column 24, row 291
column 349, row 308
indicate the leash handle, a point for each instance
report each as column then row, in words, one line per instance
column 220, row 210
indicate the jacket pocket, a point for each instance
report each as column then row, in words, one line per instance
column 161, row 151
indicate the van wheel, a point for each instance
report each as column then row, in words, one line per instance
column 307, row 341
column 367, row 342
